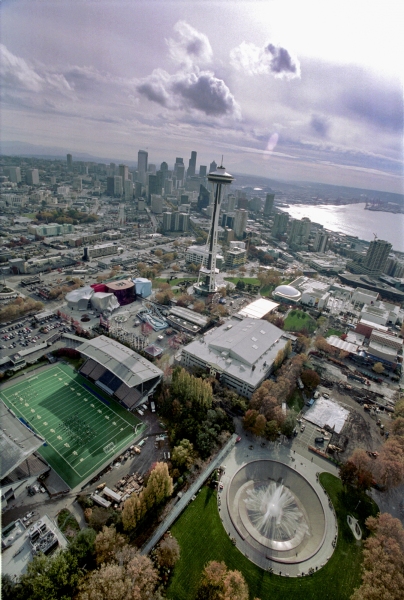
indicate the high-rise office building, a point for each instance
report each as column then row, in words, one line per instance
column 154, row 185
column 179, row 170
column 240, row 222
column 124, row 172
column 203, row 198
column 128, row 189
column 118, row 185
column 192, row 164
column 231, row 203
column 110, row 186
column 299, row 232
column 156, row 204
column 255, row 204
column 69, row 159
column 142, row 157
column 202, row 170
column 280, row 224
column 376, row 257
column 14, row 174
column 320, row 241
column 212, row 166
column 77, row 184
column 164, row 166
column 269, row 205
column 32, row 177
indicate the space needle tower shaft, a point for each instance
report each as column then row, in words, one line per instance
column 207, row 275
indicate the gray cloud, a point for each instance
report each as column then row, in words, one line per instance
column 191, row 46
column 282, row 62
column 200, row 91
column 320, row 125
column 155, row 87
column 271, row 59
column 381, row 106
column 206, row 93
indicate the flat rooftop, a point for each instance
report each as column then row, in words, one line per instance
column 17, row 441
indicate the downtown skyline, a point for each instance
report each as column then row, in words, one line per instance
column 289, row 92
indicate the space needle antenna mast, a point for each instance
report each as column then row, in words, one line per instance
column 206, row 284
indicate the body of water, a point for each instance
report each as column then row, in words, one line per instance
column 354, row 220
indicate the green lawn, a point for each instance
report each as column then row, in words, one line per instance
column 296, row 401
column 202, row 538
column 299, row 320
column 83, row 427
column 176, row 281
column 333, row 331
column 247, row 280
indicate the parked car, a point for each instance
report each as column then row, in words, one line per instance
column 319, row 440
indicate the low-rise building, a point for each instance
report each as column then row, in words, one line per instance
column 240, row 354
column 99, row 250
column 198, row 255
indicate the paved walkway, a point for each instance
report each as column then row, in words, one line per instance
column 182, row 503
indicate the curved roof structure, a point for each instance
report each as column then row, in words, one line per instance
column 128, row 365
column 78, row 299
column 287, row 292
column 122, row 284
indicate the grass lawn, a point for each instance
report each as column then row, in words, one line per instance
column 298, row 320
column 202, row 538
column 83, row 428
column 247, row 280
column 296, row 401
column 332, row 331
column 68, row 524
column 176, row 281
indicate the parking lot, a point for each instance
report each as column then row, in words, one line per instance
column 310, row 433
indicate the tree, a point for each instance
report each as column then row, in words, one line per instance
column 218, row 583
column 399, row 409
column 159, row 485
column 142, row 575
column 199, row 306
column 259, row 425
column 183, row 454
column 107, row 543
column 383, row 560
column 106, row 583
column 378, row 367
column 99, row 517
column 52, row 577
column 168, row 552
column 357, row 471
column 310, row 378
column 389, row 466
column 322, row 344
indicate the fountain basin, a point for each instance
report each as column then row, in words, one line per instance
column 286, row 524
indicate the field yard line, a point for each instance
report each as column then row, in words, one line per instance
column 108, row 407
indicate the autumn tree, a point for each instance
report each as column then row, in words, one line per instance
column 107, row 542
column 159, row 485
column 357, row 471
column 378, row 367
column 399, row 409
column 389, row 466
column 183, row 454
column 321, row 344
column 199, row 306
column 194, row 389
column 130, row 577
column 168, row 552
column 310, row 378
column 219, row 583
column 383, row 560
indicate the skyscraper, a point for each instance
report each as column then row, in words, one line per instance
column 118, row 186
column 280, row 224
column 269, row 204
column 69, row 159
column 192, row 164
column 240, row 222
column 299, row 232
column 202, row 170
column 320, row 242
column 124, row 172
column 203, row 198
column 213, row 166
column 142, row 157
column 376, row 257
column 32, row 177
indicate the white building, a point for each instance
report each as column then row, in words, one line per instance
column 100, row 250
column 198, row 255
column 240, row 354
column 32, row 176
column 362, row 296
column 156, row 204
column 314, row 292
column 240, row 222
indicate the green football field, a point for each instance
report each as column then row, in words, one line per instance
column 83, row 427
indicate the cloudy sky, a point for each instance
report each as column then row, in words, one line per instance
column 289, row 90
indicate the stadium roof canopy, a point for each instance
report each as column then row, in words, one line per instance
column 17, row 442
column 128, row 365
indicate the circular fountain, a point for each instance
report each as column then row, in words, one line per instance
column 276, row 511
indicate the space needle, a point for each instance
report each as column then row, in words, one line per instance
column 206, row 284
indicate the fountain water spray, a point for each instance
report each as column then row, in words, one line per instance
column 274, row 512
